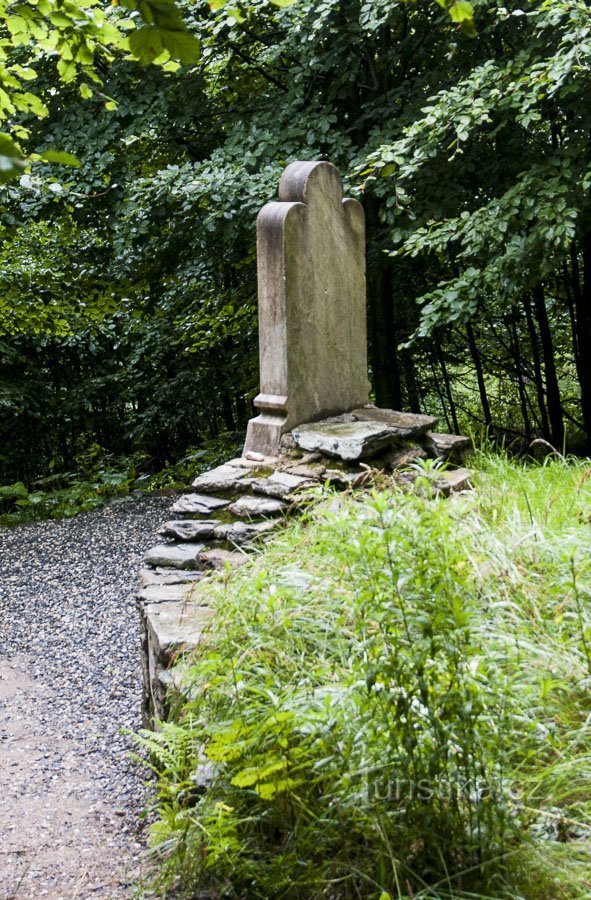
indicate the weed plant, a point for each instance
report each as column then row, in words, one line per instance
column 393, row 701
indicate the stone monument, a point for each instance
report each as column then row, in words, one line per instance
column 312, row 308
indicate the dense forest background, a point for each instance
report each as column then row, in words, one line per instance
column 128, row 284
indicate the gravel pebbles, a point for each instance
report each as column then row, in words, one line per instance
column 70, row 679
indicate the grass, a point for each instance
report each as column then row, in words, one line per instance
column 393, row 701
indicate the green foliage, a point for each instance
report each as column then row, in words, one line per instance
column 76, row 36
column 507, row 139
column 133, row 274
column 97, row 481
column 402, row 711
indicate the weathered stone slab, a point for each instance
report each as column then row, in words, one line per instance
column 250, row 506
column 198, row 504
column 453, row 480
column 222, row 478
column 216, row 558
column 349, row 441
column 240, row 533
column 160, row 575
column 312, row 320
column 341, row 479
column 254, row 461
column 174, row 556
column 405, row 425
column 189, row 529
column 163, row 593
column 282, row 485
column 180, row 681
column 399, row 457
column 173, row 627
column 314, row 472
column 447, row 445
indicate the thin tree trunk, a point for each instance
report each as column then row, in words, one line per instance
column 241, row 413
column 380, row 292
column 520, row 376
column 447, row 386
column 538, row 376
column 439, row 393
column 413, row 395
column 569, row 289
column 475, row 354
column 552, row 388
column 583, row 310
column 227, row 411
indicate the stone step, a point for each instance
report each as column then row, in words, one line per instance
column 349, row 441
column 198, row 504
column 281, row 485
column 175, row 556
column 362, row 433
column 216, row 558
column 254, row 461
column 173, row 627
column 163, row 593
column 223, row 478
column 453, row 480
column 447, row 446
column 241, row 533
column 406, row 425
column 250, row 506
column 190, row 529
column 161, row 575
column 339, row 478
column 314, row 471
column 398, row 457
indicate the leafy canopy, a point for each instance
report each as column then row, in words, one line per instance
column 79, row 33
column 77, row 36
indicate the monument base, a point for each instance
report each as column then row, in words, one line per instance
column 264, row 433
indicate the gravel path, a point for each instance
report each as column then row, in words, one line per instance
column 70, row 795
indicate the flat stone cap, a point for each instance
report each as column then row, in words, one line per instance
column 348, row 441
column 361, row 433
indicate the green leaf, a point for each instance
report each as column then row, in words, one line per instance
column 461, row 11
column 146, row 44
column 181, row 45
column 60, row 157
column 67, row 70
column 8, row 146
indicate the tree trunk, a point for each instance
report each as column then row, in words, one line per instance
column 439, row 392
column 583, row 310
column 537, row 363
column 380, row 294
column 552, row 389
column 475, row 354
column 413, row 395
column 513, row 331
column 447, row 385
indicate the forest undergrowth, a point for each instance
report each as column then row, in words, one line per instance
column 99, row 477
column 393, row 701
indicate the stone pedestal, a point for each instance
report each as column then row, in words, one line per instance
column 312, row 309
